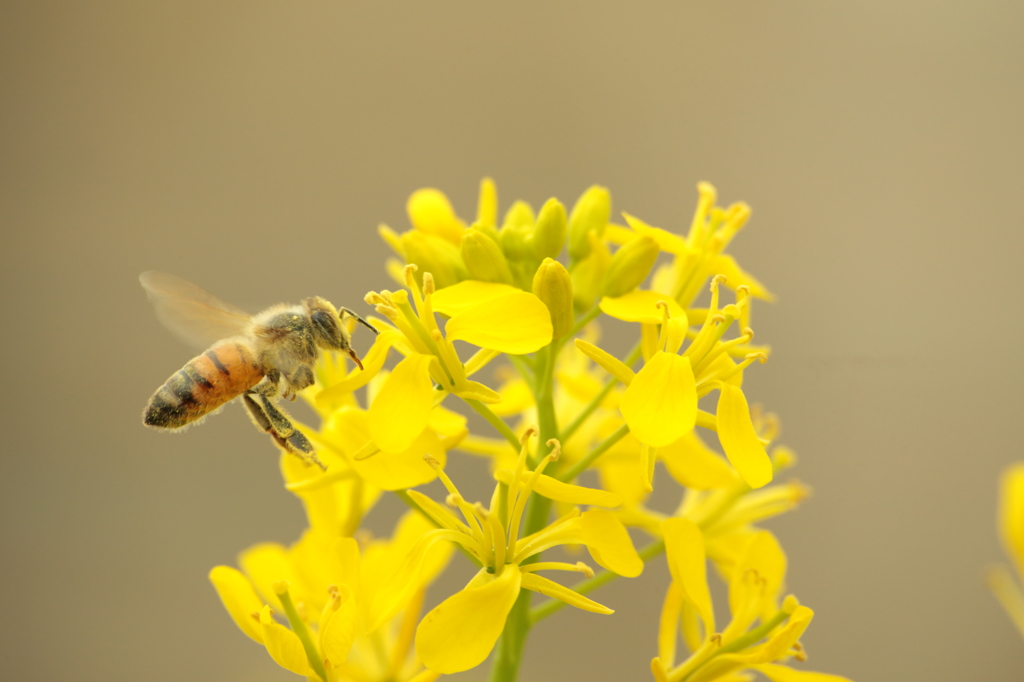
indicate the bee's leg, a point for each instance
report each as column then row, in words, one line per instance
column 298, row 380
column 271, row 420
column 268, row 384
column 283, row 427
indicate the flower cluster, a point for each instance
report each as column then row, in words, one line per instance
column 502, row 318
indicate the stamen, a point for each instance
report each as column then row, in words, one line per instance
column 410, row 270
column 498, row 538
column 663, row 336
column 489, row 540
column 721, row 377
column 723, row 347
column 517, row 499
column 428, row 284
column 456, row 496
column 578, row 567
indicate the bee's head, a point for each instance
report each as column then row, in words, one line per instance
column 330, row 330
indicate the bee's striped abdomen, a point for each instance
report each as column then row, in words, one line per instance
column 208, row 381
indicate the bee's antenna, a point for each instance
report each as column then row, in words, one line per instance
column 360, row 320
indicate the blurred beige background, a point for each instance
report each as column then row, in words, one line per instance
column 253, row 147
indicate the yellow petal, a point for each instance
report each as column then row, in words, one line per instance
column 265, row 564
column 1011, row 515
column 667, row 241
column 401, row 410
column 607, row 361
column 694, row 465
column 538, row 583
column 736, row 276
column 406, row 469
column 658, row 670
column 553, row 489
column 459, row 633
column 435, row 255
column 660, row 404
column 765, row 558
column 739, row 440
column 398, row 588
column 337, row 627
column 372, row 364
column 351, row 429
column 608, row 542
column 781, row 673
column 283, row 645
column 453, row 300
column 784, row 638
column 684, row 546
column 516, row 397
column 516, row 323
column 431, row 212
column 236, row 593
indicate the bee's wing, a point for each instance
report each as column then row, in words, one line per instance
column 196, row 316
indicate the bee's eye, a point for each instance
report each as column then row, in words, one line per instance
column 325, row 324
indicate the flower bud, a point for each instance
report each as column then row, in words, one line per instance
column 483, row 258
column 590, row 215
column 435, row 255
column 549, row 233
column 552, row 285
column 588, row 274
column 515, row 241
column 630, row 266
column 430, row 212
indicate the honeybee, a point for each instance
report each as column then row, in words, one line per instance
column 256, row 357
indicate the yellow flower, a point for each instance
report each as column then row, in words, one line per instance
column 660, row 402
column 350, row 610
column 760, row 633
column 460, row 632
column 498, row 318
column 1011, row 532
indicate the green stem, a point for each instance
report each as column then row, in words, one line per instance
column 509, row 653
column 590, row 584
column 586, row 319
column 497, row 422
column 300, row 629
column 581, row 466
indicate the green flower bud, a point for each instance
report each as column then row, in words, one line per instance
column 483, row 258
column 516, row 232
column 520, row 213
column 590, row 215
column 515, row 241
column 549, row 233
column 552, row 285
column 588, row 274
column 435, row 255
column 630, row 266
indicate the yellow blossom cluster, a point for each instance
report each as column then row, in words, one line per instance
column 502, row 317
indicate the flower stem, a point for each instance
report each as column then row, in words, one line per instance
column 509, row 653
column 497, row 422
column 590, row 584
column 581, row 466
